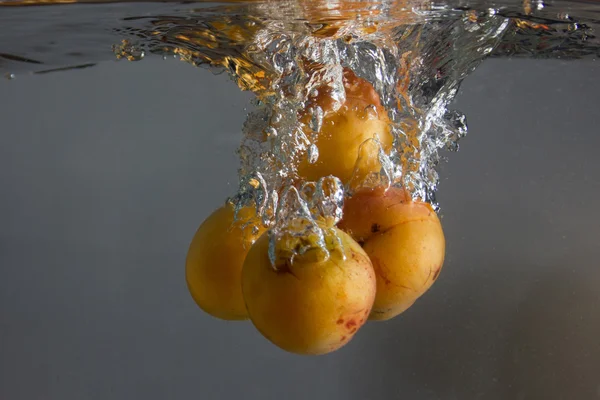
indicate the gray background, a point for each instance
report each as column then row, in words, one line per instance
column 106, row 173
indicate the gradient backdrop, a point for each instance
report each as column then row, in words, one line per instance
column 106, row 173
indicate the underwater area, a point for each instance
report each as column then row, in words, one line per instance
column 124, row 125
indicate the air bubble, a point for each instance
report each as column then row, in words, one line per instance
column 271, row 132
column 276, row 118
column 316, row 121
column 313, row 153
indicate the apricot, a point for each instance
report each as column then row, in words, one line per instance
column 405, row 242
column 360, row 117
column 308, row 304
column 215, row 258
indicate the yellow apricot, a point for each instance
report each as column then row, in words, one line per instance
column 312, row 305
column 405, row 242
column 215, row 259
column 361, row 117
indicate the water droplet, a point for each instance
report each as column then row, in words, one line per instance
column 129, row 51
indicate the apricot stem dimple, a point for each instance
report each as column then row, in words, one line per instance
column 285, row 268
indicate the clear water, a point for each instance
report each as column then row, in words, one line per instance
column 453, row 38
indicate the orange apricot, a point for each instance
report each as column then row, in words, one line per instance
column 405, row 242
column 360, row 117
column 308, row 304
column 215, row 258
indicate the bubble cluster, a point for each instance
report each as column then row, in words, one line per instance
column 416, row 72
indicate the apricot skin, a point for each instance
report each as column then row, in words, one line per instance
column 309, row 307
column 405, row 242
column 215, row 259
column 344, row 130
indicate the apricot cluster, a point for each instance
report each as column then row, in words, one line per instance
column 383, row 255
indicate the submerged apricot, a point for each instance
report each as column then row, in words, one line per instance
column 311, row 305
column 215, row 258
column 405, row 242
column 360, row 117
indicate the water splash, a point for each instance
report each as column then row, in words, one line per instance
column 292, row 54
column 415, row 69
column 128, row 51
column 416, row 72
